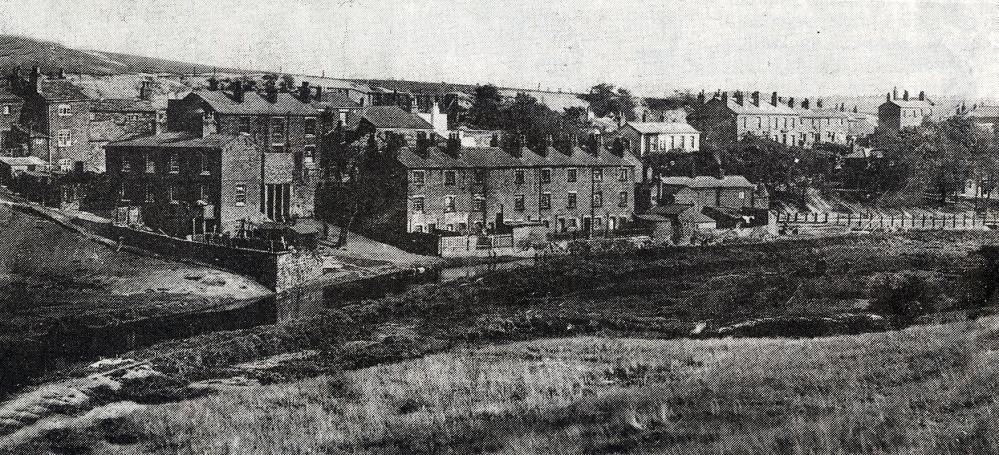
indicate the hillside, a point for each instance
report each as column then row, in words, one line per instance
column 52, row 56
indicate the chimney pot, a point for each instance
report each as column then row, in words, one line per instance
column 773, row 99
column 756, row 98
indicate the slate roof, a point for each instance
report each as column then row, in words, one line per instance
column 765, row 108
column 61, row 90
column 7, row 95
column 496, row 157
column 822, row 113
column 662, row 127
column 22, row 161
column 925, row 104
column 254, row 104
column 122, row 105
column 182, row 140
column 335, row 100
column 704, row 181
column 983, row 111
column 390, row 117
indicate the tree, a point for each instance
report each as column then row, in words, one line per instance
column 486, row 105
column 605, row 99
column 363, row 181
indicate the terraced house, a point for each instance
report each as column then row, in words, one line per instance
column 285, row 127
column 725, row 119
column 471, row 189
column 55, row 119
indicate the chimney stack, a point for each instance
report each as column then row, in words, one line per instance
column 724, row 98
column 805, row 103
column 922, row 95
column 701, row 99
column 756, row 98
column 145, row 90
column 35, row 79
column 644, row 114
column 319, row 93
column 905, row 95
column 271, row 94
column 894, row 93
column 213, row 84
column 304, row 92
column 790, row 102
column 773, row 99
column 237, row 91
column 818, row 103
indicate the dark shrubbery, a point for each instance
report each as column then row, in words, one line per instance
column 902, row 297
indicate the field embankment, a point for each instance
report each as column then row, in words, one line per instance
column 658, row 294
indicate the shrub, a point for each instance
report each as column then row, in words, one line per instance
column 902, row 297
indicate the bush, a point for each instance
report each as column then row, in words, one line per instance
column 902, row 297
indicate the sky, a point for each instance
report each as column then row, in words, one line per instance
column 651, row 47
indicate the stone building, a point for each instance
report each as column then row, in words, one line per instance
column 59, row 112
column 120, row 119
column 393, row 119
column 723, row 119
column 183, row 183
column 648, row 138
column 285, row 127
column 10, row 115
column 471, row 189
column 897, row 113
column 732, row 192
column 817, row 125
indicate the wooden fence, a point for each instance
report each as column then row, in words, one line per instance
column 928, row 221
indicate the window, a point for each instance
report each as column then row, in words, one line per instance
column 448, row 203
column 122, row 196
column 64, row 110
column 518, row 202
column 244, row 124
column 310, row 126
column 148, row 194
column 126, row 164
column 449, row 177
column 277, row 131
column 598, row 175
column 418, row 205
column 546, row 176
column 759, row 122
column 622, row 174
column 132, row 118
column 518, row 176
column 571, row 200
column 742, row 195
column 202, row 193
column 419, row 178
column 570, row 175
column 174, row 163
column 203, row 162
column 545, row 203
column 309, row 154
column 172, row 193
column 479, row 175
column 622, row 199
column 6, row 109
column 479, row 203
column 598, row 199
column 418, row 228
column 240, row 195
column 64, row 138
column 150, row 162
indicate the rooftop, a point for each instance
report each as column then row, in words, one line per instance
column 390, row 117
column 61, row 90
column 22, row 161
column 254, row 103
column 705, row 181
column 123, row 105
column 182, row 140
column 496, row 157
column 663, row 127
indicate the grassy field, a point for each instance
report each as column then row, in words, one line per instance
column 921, row 390
column 600, row 394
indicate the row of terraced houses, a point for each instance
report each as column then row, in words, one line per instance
column 228, row 157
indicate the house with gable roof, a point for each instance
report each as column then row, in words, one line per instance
column 897, row 113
